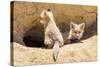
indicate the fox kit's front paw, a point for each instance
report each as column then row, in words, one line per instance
column 48, row 43
column 74, row 40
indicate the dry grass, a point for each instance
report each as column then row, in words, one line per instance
column 76, row 52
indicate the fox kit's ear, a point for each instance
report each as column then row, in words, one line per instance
column 72, row 25
column 82, row 26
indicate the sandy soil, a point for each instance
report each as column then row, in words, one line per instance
column 76, row 52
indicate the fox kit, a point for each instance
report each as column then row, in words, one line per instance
column 76, row 31
column 53, row 37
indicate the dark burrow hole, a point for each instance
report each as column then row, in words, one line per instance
column 34, row 37
column 31, row 42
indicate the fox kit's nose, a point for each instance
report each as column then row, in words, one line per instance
column 49, row 9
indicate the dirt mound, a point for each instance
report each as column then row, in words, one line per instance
column 76, row 52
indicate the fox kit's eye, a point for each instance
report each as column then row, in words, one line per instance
column 75, row 31
column 45, row 14
column 79, row 32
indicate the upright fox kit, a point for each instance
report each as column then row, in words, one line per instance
column 76, row 31
column 53, row 37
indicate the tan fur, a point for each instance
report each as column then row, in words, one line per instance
column 76, row 31
column 53, row 37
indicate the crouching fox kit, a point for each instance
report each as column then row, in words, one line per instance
column 76, row 31
column 53, row 37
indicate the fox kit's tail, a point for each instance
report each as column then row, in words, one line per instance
column 56, row 48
